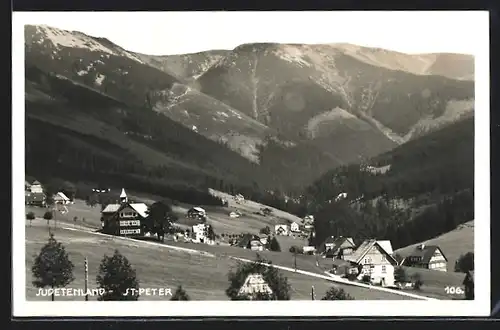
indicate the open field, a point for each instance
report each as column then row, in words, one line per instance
column 453, row 244
column 204, row 277
column 435, row 282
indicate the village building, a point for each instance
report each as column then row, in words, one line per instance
column 197, row 213
column 427, row 256
column 239, row 198
column 256, row 245
column 309, row 218
column 308, row 250
column 337, row 247
column 124, row 218
column 34, row 198
column 199, row 233
column 282, row 230
column 246, row 241
column 469, row 285
column 343, row 268
column 61, row 198
column 374, row 261
column 263, row 239
column 294, row 227
column 235, row 214
column 36, row 187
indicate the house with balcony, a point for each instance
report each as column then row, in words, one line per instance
column 124, row 218
column 427, row 256
column 374, row 261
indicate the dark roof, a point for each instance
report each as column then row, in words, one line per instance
column 243, row 242
column 337, row 243
column 426, row 253
column 329, row 240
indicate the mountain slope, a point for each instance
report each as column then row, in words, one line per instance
column 78, row 133
column 107, row 68
column 297, row 110
column 415, row 192
column 284, row 86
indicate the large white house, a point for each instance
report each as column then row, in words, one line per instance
column 374, row 261
column 200, row 233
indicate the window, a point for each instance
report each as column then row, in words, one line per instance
column 384, row 258
column 383, row 270
column 368, row 260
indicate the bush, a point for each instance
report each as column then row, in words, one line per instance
column 366, row 278
column 266, row 230
column 274, row 245
column 417, row 281
column 351, row 276
column 337, row 294
column 47, row 215
column 180, row 294
column 30, row 216
column 400, row 275
column 465, row 263
column 295, row 249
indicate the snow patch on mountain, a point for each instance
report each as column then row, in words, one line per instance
column 292, row 54
column 74, row 39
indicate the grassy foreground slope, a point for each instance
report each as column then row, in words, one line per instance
column 204, row 277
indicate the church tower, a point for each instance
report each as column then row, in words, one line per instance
column 123, row 196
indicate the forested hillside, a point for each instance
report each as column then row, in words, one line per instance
column 77, row 133
column 415, row 192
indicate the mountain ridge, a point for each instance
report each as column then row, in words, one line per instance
column 256, row 93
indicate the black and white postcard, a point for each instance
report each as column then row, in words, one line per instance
column 251, row 164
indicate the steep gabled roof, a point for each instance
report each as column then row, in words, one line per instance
column 387, row 246
column 140, row 208
column 364, row 248
column 61, row 195
column 111, row 208
column 426, row 253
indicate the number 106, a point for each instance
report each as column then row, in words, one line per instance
column 453, row 290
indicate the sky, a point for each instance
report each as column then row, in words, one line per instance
column 167, row 33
